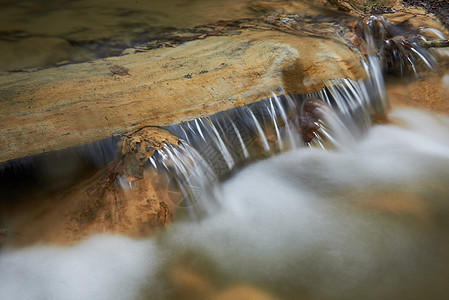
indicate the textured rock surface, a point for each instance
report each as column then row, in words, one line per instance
column 80, row 103
column 96, row 205
column 431, row 93
column 75, row 104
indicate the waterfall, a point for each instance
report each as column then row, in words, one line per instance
column 402, row 48
column 294, row 196
column 335, row 117
column 212, row 147
column 368, row 222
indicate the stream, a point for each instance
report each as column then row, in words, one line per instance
column 337, row 194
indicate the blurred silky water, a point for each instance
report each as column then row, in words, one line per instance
column 366, row 222
column 320, row 195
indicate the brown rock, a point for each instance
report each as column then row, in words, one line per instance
column 307, row 118
column 119, row 70
column 429, row 93
column 188, row 284
column 97, row 205
column 128, row 198
column 76, row 104
column 137, row 147
column 244, row 292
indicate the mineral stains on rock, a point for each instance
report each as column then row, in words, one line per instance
column 119, row 70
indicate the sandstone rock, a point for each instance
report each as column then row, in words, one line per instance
column 96, row 205
column 188, row 282
column 128, row 198
column 244, row 292
column 76, row 104
column 428, row 93
column 190, row 285
column 71, row 105
column 137, row 147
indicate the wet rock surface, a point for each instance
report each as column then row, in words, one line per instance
column 437, row 7
column 127, row 197
column 179, row 74
column 137, row 147
column 100, row 28
column 177, row 77
column 308, row 116
column 76, row 104
column 430, row 93
column 96, row 205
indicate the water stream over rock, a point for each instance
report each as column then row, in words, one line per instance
column 365, row 222
column 323, row 195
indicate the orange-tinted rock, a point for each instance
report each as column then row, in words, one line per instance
column 244, row 292
column 429, row 93
column 137, row 147
column 98, row 205
column 76, row 104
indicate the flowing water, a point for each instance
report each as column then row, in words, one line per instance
column 366, row 222
column 215, row 146
column 293, row 197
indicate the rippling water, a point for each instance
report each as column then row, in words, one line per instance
column 38, row 33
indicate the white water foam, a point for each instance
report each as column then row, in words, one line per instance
column 103, row 267
column 369, row 222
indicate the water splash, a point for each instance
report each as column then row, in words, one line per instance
column 215, row 146
column 332, row 118
column 401, row 48
column 281, row 123
column 190, row 178
column 320, row 224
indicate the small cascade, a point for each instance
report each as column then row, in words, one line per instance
column 190, row 178
column 402, row 48
column 232, row 138
column 339, row 214
column 213, row 147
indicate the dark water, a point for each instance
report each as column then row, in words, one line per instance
column 38, row 34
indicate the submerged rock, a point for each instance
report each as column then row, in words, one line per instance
column 308, row 117
column 33, row 52
column 242, row 292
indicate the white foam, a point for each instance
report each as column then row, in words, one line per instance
column 369, row 222
column 310, row 220
column 446, row 81
column 103, row 267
